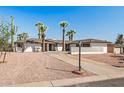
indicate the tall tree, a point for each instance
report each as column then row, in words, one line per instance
column 120, row 41
column 19, row 37
column 23, row 36
column 1, row 37
column 42, row 28
column 4, row 36
column 39, row 25
column 64, row 25
column 4, row 39
column 70, row 34
column 13, row 32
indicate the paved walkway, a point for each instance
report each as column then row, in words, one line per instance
column 89, row 65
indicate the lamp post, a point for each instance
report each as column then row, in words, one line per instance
column 79, row 72
column 80, row 55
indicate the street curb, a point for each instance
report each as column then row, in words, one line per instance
column 84, row 80
column 69, row 82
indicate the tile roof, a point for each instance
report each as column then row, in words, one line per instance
column 91, row 41
column 66, row 41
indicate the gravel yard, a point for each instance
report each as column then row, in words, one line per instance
column 34, row 67
column 117, row 60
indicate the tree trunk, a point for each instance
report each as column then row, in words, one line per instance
column 43, row 42
column 5, row 52
column 63, row 42
column 39, row 35
column 43, row 47
column 69, row 38
column 72, row 37
column 4, row 57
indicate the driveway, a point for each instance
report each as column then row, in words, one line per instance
column 97, row 67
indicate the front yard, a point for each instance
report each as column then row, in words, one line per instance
column 114, row 60
column 22, row 68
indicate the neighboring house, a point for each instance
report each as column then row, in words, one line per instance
column 118, row 49
column 90, row 46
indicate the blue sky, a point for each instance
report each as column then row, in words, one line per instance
column 89, row 22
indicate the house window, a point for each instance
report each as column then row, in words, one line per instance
column 86, row 45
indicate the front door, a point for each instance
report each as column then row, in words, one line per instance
column 50, row 47
column 67, row 47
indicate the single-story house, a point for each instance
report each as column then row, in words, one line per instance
column 89, row 46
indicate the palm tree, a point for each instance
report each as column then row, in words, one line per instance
column 64, row 25
column 23, row 36
column 70, row 34
column 39, row 25
column 42, row 29
column 19, row 37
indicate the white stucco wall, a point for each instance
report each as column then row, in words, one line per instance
column 117, row 50
column 102, row 45
column 58, row 47
column 32, row 47
column 96, row 48
column 28, row 49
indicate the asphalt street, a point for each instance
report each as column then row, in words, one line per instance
column 119, row 82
